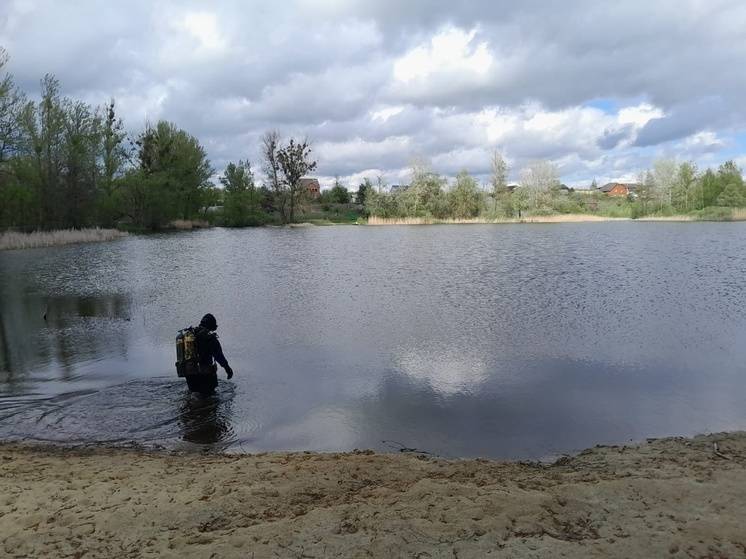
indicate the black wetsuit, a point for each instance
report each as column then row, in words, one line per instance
column 209, row 351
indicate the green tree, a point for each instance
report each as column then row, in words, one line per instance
column 683, row 192
column 82, row 136
column 732, row 196
column 11, row 103
column 173, row 174
column 465, row 199
column 425, row 196
column 42, row 129
column 242, row 200
column 338, row 193
column 521, row 200
column 114, row 157
column 711, row 188
column 363, row 190
column 17, row 199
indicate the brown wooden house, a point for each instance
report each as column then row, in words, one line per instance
column 619, row 189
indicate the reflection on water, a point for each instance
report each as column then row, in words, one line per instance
column 59, row 331
column 503, row 341
column 206, row 420
column 153, row 411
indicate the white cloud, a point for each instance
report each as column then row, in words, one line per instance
column 204, row 27
column 386, row 113
column 704, row 141
column 450, row 52
column 639, row 115
column 446, row 372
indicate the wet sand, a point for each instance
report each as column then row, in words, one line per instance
column 665, row 498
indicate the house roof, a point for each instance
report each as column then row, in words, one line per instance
column 609, row 185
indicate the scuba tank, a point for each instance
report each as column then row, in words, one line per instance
column 186, row 353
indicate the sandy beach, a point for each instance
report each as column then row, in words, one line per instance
column 664, row 498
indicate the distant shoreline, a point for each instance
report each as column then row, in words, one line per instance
column 652, row 499
column 12, row 240
column 562, row 218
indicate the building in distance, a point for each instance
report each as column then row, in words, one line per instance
column 310, row 186
column 619, row 189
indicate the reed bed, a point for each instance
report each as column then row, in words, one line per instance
column 739, row 214
column 188, row 224
column 10, row 240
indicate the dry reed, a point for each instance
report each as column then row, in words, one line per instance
column 14, row 240
column 188, row 224
column 668, row 218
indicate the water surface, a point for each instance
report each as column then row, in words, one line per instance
column 511, row 341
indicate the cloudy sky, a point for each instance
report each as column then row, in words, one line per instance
column 600, row 88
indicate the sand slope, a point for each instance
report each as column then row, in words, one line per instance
column 667, row 498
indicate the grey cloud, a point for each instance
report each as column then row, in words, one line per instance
column 612, row 138
column 682, row 121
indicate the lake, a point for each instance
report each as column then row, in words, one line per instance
column 504, row 341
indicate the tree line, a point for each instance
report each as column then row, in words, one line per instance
column 67, row 164
column 668, row 188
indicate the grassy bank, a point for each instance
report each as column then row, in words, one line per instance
column 14, row 240
column 665, row 498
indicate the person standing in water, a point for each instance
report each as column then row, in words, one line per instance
column 208, row 352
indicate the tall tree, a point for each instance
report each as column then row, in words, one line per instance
column 11, row 103
column 81, row 147
column 42, row 128
column 242, row 204
column 16, row 196
column 710, row 187
column 295, row 162
column 683, row 192
column 665, row 172
column 363, row 190
column 271, row 167
column 114, row 152
column 114, row 155
column 499, row 177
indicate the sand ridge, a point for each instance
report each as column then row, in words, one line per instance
column 664, row 498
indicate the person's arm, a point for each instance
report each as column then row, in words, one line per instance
column 217, row 353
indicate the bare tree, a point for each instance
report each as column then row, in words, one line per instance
column 295, row 161
column 665, row 171
column 271, row 168
column 540, row 178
